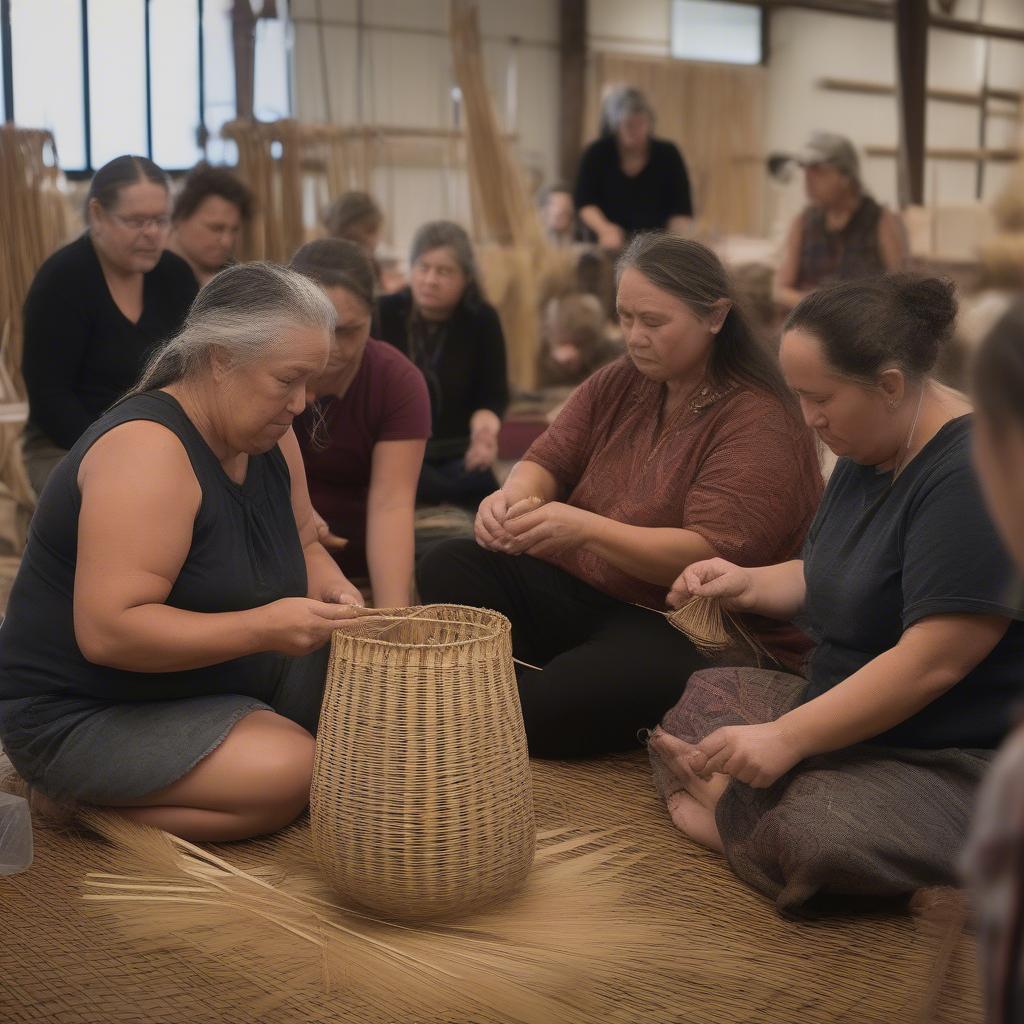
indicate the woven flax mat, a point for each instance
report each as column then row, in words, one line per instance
column 737, row 960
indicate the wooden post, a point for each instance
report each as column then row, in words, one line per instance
column 912, row 63
column 572, row 49
column 243, row 34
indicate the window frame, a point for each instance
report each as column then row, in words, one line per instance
column 90, row 169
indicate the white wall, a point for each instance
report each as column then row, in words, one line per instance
column 407, row 80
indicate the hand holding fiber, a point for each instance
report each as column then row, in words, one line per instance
column 299, row 625
column 728, row 584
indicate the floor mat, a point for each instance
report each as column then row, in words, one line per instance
column 737, row 960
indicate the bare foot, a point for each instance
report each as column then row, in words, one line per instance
column 695, row 820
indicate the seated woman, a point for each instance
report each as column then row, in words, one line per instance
column 209, row 213
column 628, row 180
column 164, row 649
column 861, row 777
column 843, row 234
column 98, row 308
column 994, row 864
column 690, row 447
column 355, row 217
column 575, row 341
column 362, row 442
column 442, row 323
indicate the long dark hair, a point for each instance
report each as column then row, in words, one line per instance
column 997, row 380
column 337, row 263
column 870, row 325
column 695, row 275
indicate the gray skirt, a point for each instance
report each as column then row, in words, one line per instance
column 96, row 752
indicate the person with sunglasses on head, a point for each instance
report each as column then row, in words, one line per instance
column 99, row 308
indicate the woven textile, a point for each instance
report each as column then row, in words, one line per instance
column 864, row 821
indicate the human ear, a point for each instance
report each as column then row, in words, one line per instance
column 893, row 386
column 220, row 364
column 719, row 311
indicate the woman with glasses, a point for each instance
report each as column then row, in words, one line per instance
column 442, row 323
column 98, row 309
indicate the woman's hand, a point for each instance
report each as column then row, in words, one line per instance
column 300, row 625
column 611, row 237
column 482, row 452
column 550, row 529
column 717, row 578
column 342, row 592
column 323, row 534
column 492, row 515
column 758, row 755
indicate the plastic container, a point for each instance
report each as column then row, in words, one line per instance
column 15, row 835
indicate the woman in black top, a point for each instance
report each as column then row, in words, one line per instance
column 442, row 323
column 861, row 778
column 164, row 647
column 98, row 308
column 630, row 181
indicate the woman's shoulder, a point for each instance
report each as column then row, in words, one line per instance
column 174, row 271
column 69, row 265
column 389, row 365
column 395, row 302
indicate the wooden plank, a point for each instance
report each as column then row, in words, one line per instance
column 572, row 70
column 973, row 99
column 965, row 154
column 912, row 64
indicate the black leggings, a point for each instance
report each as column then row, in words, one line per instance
column 609, row 668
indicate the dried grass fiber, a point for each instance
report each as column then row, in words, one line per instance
column 727, row 957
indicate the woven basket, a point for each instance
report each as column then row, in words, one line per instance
column 421, row 805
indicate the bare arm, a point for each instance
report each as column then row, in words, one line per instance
column 609, row 235
column 325, row 581
column 139, row 502
column 680, row 226
column 775, row 591
column 932, row 656
column 784, row 291
column 389, row 520
column 892, row 241
column 651, row 554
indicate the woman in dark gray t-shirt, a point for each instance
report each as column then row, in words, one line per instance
column 860, row 778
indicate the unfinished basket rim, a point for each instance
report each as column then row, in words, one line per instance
column 498, row 626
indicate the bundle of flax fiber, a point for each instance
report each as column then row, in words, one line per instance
column 421, row 811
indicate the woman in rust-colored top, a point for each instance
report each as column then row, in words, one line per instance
column 688, row 447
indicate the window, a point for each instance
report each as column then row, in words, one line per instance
column 154, row 77
column 46, row 73
column 716, row 30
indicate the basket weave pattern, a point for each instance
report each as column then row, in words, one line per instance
column 421, row 805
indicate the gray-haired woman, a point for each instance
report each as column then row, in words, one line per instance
column 163, row 652
column 628, row 180
column 442, row 323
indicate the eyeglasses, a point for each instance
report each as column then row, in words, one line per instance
column 139, row 224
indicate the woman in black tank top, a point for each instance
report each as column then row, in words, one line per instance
column 164, row 647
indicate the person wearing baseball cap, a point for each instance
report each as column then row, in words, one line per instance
column 843, row 233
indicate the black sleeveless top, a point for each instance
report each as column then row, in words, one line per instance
column 245, row 553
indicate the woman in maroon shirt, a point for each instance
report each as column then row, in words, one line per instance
column 362, row 441
column 689, row 446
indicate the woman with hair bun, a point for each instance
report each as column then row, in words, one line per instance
column 859, row 777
